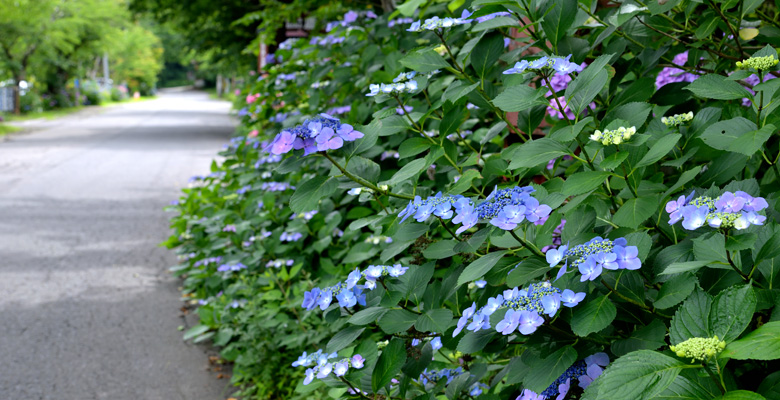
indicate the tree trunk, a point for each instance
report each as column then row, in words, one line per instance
column 17, row 92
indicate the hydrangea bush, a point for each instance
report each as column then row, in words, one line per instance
column 497, row 199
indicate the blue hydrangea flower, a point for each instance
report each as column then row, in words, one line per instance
column 593, row 257
column 323, row 367
column 730, row 210
column 584, row 371
column 561, row 65
column 571, row 299
column 348, row 293
column 319, row 134
column 436, row 23
column 524, row 309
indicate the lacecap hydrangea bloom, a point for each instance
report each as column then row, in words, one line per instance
column 561, row 65
column 673, row 75
column 701, row 349
column 504, row 208
column 677, row 119
column 324, row 367
column 436, row 23
column 525, row 308
column 736, row 210
column 392, row 88
column 279, row 263
column 583, row 371
column 231, row 267
column 592, row 257
column 615, row 136
column 348, row 293
column 319, row 134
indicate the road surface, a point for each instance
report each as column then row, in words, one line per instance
column 87, row 308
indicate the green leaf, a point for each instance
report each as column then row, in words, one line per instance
column 464, row 183
column 196, row 330
column 770, row 387
column 413, row 146
column 395, row 321
column 741, row 395
column 437, row 320
column 407, row 172
column 440, row 249
column 527, row 270
column 473, row 342
column 531, row 154
column 389, row 364
column 634, row 113
column 344, row 338
column 594, row 316
column 749, row 143
column 584, row 88
column 519, row 98
column 635, row 211
column 680, row 267
column 770, row 249
column 308, row 195
column 486, row 53
column 424, row 61
column 685, row 177
column 457, row 90
column 732, row 311
column 741, row 242
column 661, row 148
column 640, row 375
column 451, row 120
column 409, row 7
column 367, row 316
column 546, row 371
column 649, row 337
column 692, row 319
column 675, row 290
column 710, row 246
column 583, row 182
column 761, row 344
column 613, row 161
column 569, row 132
column 558, row 20
column 480, row 267
column 717, row 87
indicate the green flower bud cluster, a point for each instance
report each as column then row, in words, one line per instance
column 616, row 136
column 700, row 349
column 758, row 63
column 677, row 119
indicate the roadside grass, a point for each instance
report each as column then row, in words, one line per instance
column 5, row 129
column 49, row 114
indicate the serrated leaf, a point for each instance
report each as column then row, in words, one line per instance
column 344, row 338
column 437, row 320
column 635, row 211
column 732, row 311
column 486, row 53
column 741, row 395
column 614, row 161
column 413, row 146
column 531, row 154
column 424, row 61
column 594, row 316
column 464, row 182
column 558, row 20
column 519, row 98
column 761, row 344
column 480, row 267
column 649, row 337
column 680, row 267
column 457, row 90
column 661, row 148
column 527, row 270
column 395, row 321
column 717, row 87
column 408, row 171
column 692, row 319
column 583, row 182
column 640, row 375
column 674, row 291
column 546, row 371
column 308, row 195
column 367, row 316
column 389, row 364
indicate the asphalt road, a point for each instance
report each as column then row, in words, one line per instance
column 87, row 307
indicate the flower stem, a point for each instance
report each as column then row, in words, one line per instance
column 364, row 182
column 527, row 244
